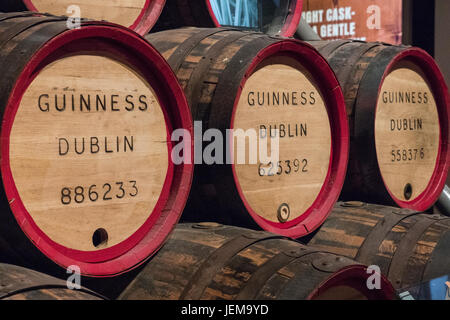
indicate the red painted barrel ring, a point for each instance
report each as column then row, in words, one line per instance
column 150, row 236
column 353, row 276
column 335, row 104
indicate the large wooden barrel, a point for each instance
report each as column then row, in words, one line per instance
column 398, row 108
column 249, row 81
column 209, row 261
column 18, row 283
column 138, row 15
column 87, row 115
column 409, row 247
column 272, row 17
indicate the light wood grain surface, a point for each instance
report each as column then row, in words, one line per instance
column 47, row 169
column 124, row 12
column 404, row 126
column 294, row 188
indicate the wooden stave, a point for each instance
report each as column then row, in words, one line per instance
column 143, row 24
column 408, row 246
column 26, row 252
column 200, row 14
column 24, row 284
column 177, row 45
column 208, row 261
column 364, row 181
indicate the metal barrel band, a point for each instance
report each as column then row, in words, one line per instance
column 215, row 262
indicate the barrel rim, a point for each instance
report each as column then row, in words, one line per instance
column 326, row 80
column 144, row 22
column 151, row 235
column 440, row 92
column 356, row 276
column 148, row 17
column 34, row 281
column 290, row 25
column 293, row 19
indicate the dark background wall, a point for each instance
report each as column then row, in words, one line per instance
column 442, row 36
column 426, row 24
column 442, row 40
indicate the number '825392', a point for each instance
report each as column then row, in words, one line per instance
column 284, row 167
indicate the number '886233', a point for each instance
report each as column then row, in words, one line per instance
column 94, row 193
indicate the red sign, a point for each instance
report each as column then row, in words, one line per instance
column 368, row 20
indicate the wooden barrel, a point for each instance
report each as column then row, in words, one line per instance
column 208, row 261
column 18, row 283
column 254, row 83
column 138, row 15
column 87, row 116
column 409, row 247
column 264, row 16
column 398, row 108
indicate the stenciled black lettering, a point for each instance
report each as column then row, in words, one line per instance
column 46, row 104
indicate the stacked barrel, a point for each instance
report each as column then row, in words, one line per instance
column 23, row 284
column 111, row 135
column 410, row 247
column 397, row 105
column 276, row 88
column 214, row 262
column 138, row 15
column 398, row 108
column 87, row 116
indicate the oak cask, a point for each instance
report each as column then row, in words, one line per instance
column 138, row 15
column 18, row 283
column 276, row 89
column 409, row 247
column 208, row 261
column 87, row 117
column 398, row 108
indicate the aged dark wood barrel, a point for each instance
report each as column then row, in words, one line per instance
column 265, row 16
column 409, row 247
column 18, row 283
column 208, row 261
column 87, row 115
column 398, row 108
column 138, row 15
column 249, row 81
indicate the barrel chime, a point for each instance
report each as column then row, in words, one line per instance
column 87, row 118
